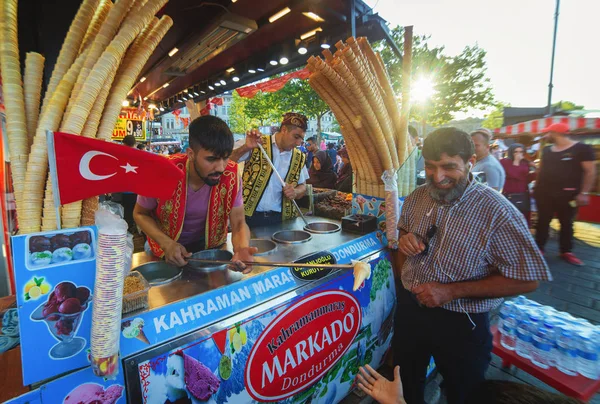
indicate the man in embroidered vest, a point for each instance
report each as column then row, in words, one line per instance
column 196, row 217
column 265, row 200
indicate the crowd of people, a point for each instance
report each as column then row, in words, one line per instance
column 564, row 177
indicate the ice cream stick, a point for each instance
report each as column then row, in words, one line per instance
column 273, row 264
column 283, row 184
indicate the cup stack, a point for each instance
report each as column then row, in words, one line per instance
column 111, row 261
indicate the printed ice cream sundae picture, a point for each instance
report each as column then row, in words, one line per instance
column 62, row 313
column 92, row 393
column 134, row 329
column 46, row 251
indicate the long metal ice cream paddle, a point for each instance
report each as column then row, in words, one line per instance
column 283, row 184
column 273, row 264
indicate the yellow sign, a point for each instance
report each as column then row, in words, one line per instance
column 130, row 123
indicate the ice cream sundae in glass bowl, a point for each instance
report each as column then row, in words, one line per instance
column 62, row 313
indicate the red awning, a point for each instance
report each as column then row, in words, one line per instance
column 272, row 86
column 576, row 125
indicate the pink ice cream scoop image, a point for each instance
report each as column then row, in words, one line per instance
column 199, row 380
column 92, row 393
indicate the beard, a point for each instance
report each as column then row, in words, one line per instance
column 211, row 179
column 447, row 195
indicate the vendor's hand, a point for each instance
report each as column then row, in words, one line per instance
column 410, row 245
column 243, row 254
column 290, row 191
column 433, row 294
column 582, row 199
column 253, row 138
column 379, row 388
column 176, row 254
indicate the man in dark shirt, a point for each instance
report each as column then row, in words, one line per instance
column 311, row 146
column 565, row 179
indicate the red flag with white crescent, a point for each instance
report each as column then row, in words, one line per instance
column 83, row 167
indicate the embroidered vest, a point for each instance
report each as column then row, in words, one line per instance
column 170, row 213
column 257, row 173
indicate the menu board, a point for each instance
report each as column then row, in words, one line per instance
column 55, row 276
column 130, row 123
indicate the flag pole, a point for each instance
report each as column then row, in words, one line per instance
column 53, row 175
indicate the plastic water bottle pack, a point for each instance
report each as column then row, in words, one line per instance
column 550, row 338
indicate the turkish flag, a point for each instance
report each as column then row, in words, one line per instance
column 82, row 167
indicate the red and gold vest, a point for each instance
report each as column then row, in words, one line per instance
column 170, row 213
column 257, row 173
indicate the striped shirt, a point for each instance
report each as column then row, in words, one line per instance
column 479, row 234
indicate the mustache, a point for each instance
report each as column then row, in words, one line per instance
column 446, row 181
column 216, row 173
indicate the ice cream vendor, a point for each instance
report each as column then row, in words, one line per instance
column 265, row 200
column 197, row 216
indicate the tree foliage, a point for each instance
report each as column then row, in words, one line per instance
column 299, row 96
column 239, row 121
column 495, row 119
column 264, row 108
column 460, row 81
column 267, row 108
column 566, row 106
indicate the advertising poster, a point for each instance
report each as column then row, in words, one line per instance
column 307, row 350
column 372, row 206
column 55, row 274
column 130, row 123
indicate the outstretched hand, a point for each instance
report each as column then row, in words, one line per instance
column 253, row 139
column 379, row 388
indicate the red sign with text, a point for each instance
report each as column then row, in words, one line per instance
column 302, row 344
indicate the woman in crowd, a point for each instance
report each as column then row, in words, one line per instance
column 344, row 181
column 518, row 177
column 321, row 173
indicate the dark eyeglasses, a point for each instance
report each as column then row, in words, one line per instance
column 430, row 234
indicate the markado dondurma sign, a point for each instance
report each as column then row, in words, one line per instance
column 302, row 344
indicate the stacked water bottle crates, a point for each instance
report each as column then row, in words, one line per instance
column 550, row 338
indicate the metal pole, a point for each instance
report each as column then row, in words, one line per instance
column 550, row 85
column 353, row 18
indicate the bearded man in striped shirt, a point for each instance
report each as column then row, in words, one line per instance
column 462, row 248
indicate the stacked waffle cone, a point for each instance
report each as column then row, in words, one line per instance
column 103, row 53
column 355, row 85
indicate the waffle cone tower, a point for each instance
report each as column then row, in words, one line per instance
column 102, row 55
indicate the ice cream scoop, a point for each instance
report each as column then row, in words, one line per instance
column 80, row 237
column 39, row 244
column 64, row 290
column 362, row 271
column 200, row 381
column 82, row 251
column 60, row 241
column 92, row 393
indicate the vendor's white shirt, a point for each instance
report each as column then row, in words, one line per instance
column 271, row 199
